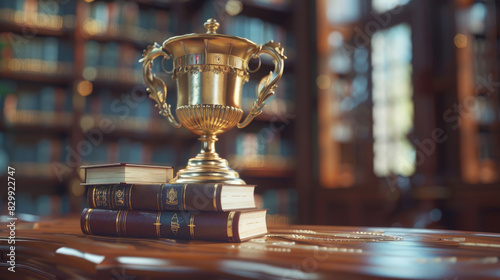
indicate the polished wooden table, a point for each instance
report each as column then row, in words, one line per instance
column 57, row 249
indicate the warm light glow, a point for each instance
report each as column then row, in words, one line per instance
column 76, row 188
column 323, row 81
column 460, row 40
column 234, row 7
column 84, row 88
column 89, row 73
column 86, row 123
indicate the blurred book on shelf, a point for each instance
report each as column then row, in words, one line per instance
column 30, row 208
column 271, row 3
column 124, row 114
column 260, row 32
column 281, row 103
column 35, row 156
column 126, row 20
column 112, row 62
column 262, row 151
column 38, row 55
column 72, row 90
column 281, row 205
column 47, row 107
column 55, row 15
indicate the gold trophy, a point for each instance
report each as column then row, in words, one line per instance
column 210, row 70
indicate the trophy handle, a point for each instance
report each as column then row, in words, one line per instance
column 153, row 82
column 267, row 85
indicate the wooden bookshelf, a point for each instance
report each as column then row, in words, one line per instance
column 89, row 76
column 453, row 54
column 39, row 77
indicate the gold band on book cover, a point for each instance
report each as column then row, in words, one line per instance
column 118, row 222
column 121, row 223
column 130, row 197
column 215, row 197
column 86, row 228
column 159, row 198
column 93, row 197
column 230, row 226
column 191, row 226
column 158, row 224
column 184, row 197
column 124, row 223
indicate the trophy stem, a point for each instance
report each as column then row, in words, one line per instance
column 207, row 166
column 208, row 143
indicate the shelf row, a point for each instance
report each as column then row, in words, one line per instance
column 53, row 160
column 113, row 63
column 136, row 22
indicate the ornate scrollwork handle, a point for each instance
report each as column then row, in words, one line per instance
column 267, row 84
column 155, row 86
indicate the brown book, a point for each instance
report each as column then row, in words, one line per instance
column 233, row 226
column 171, row 197
column 118, row 173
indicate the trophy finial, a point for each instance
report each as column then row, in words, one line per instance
column 211, row 25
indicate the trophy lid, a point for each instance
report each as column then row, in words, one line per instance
column 209, row 42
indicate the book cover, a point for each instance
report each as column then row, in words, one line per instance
column 233, row 226
column 171, row 197
column 118, row 173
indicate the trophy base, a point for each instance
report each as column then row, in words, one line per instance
column 207, row 168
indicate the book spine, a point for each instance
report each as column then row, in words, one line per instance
column 156, row 197
column 212, row 226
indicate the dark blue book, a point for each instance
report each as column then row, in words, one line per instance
column 24, row 152
column 67, row 8
column 66, row 52
column 91, row 54
column 110, row 55
column 43, row 151
column 50, row 49
column 47, row 99
column 27, row 100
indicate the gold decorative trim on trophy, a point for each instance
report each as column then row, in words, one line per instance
column 210, row 70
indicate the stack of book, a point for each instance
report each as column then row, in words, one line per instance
column 131, row 200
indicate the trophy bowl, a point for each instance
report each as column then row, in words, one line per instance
column 210, row 70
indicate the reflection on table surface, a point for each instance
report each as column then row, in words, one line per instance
column 57, row 248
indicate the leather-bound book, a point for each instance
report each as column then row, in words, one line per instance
column 232, row 226
column 171, row 197
column 118, row 173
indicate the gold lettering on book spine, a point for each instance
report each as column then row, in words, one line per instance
column 230, row 226
column 174, row 224
column 119, row 198
column 101, row 197
column 172, row 197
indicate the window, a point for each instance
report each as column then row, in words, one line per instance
column 381, row 6
column 392, row 101
column 342, row 11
